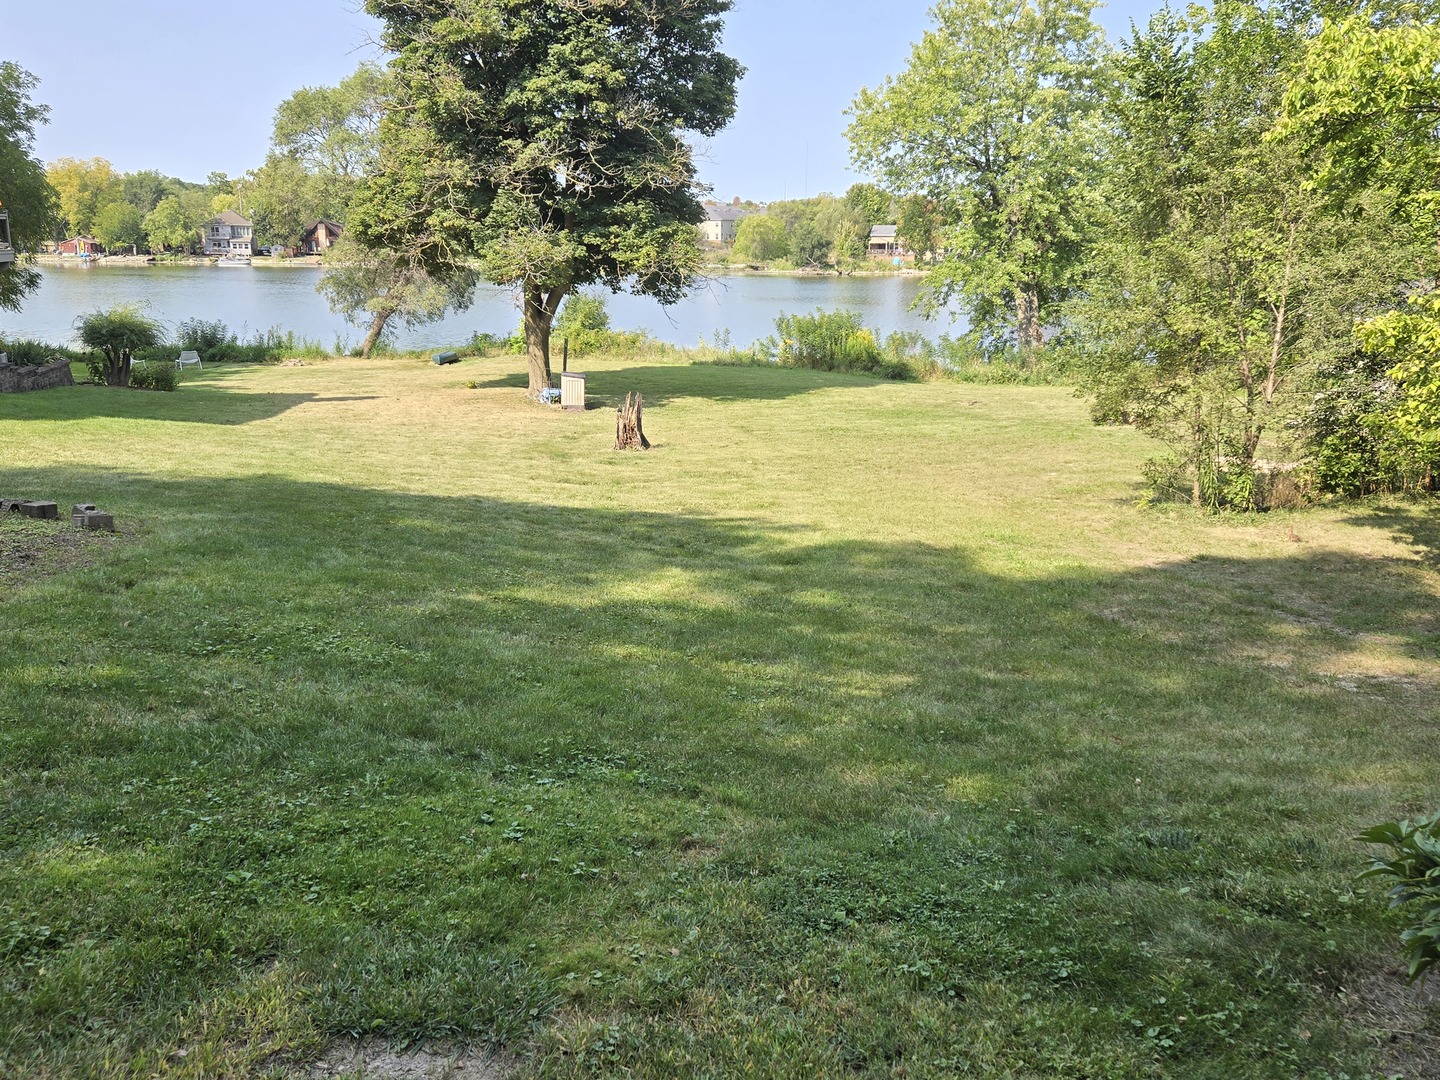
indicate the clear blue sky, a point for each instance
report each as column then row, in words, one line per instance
column 190, row 86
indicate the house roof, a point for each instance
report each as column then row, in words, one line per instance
column 725, row 212
column 882, row 232
column 230, row 217
column 333, row 225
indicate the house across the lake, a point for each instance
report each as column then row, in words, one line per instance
column 84, row 246
column 884, row 244
column 721, row 221
column 229, row 234
column 319, row 237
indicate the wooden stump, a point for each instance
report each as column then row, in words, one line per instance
column 628, row 433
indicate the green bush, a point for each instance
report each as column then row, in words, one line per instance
column 155, row 374
column 116, row 335
column 217, row 344
column 836, row 341
column 967, row 359
column 1355, row 444
column 27, row 353
column 206, row 337
column 585, row 323
column 1414, row 869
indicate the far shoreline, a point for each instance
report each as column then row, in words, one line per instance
column 272, row 262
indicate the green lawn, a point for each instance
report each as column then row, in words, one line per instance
column 858, row 728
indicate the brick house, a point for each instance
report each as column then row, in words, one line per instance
column 320, row 237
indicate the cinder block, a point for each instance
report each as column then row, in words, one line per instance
column 46, row 511
column 95, row 519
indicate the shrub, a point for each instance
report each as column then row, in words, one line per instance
column 836, row 341
column 155, row 374
column 1353, row 439
column 26, row 353
column 206, row 337
column 1414, row 869
column 115, row 335
column 967, row 359
column 585, row 323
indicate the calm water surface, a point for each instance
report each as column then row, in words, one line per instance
column 254, row 299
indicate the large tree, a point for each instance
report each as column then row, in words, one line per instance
column 1366, row 100
column 84, row 188
column 993, row 123
column 1224, row 279
column 119, row 225
column 24, row 192
column 176, row 221
column 324, row 140
column 547, row 142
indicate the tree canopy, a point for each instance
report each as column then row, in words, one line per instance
column 84, row 188
column 372, row 286
column 324, row 141
column 548, row 143
column 993, row 121
column 24, row 192
column 1222, row 280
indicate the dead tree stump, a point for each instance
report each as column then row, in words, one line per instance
column 628, row 433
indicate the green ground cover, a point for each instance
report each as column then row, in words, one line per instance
column 859, row 728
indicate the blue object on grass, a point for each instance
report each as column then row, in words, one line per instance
column 446, row 357
column 549, row 396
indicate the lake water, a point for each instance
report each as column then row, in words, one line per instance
column 253, row 299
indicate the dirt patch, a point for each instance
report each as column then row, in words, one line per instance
column 352, row 1060
column 31, row 549
column 1402, row 1021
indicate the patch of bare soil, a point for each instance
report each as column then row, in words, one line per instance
column 352, row 1060
column 31, row 549
column 1402, row 1021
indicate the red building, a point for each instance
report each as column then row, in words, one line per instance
column 80, row 245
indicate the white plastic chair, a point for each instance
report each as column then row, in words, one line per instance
column 189, row 356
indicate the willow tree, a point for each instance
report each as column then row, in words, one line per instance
column 993, row 123
column 545, row 143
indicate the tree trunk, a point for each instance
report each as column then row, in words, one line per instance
column 539, row 313
column 628, row 433
column 1027, row 318
column 377, row 327
column 117, row 369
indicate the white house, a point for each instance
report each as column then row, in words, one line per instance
column 229, row 234
column 721, row 221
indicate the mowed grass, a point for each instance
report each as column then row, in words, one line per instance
column 858, row 728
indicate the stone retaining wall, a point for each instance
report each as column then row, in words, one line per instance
column 17, row 379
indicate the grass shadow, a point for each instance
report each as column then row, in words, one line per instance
column 194, row 402
column 446, row 762
column 1416, row 523
column 606, row 386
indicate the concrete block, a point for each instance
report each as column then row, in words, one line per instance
column 45, row 511
column 95, row 519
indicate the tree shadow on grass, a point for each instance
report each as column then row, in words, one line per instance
column 1416, row 523
column 333, row 726
column 193, row 403
column 665, row 383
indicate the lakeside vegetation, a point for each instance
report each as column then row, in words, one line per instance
column 735, row 753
